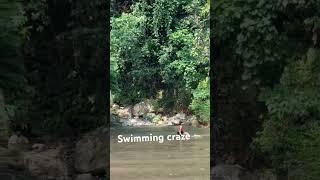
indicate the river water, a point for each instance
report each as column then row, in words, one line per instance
column 170, row 160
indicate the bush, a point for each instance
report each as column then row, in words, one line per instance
column 200, row 104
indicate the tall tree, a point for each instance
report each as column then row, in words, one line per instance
column 160, row 47
column 267, row 50
column 66, row 61
column 11, row 64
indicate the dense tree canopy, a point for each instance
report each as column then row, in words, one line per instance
column 162, row 47
column 52, row 62
column 64, row 56
column 11, row 64
column 267, row 56
column 275, row 47
column 12, row 71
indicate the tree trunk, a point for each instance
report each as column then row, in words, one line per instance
column 4, row 121
column 111, row 99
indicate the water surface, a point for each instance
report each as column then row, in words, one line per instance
column 170, row 160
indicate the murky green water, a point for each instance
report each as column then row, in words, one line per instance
column 170, row 160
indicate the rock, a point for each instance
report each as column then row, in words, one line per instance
column 250, row 176
column 230, row 159
column 3, row 150
column 267, row 174
column 18, row 143
column 90, row 153
column 115, row 121
column 85, row 177
column 115, row 106
column 233, row 172
column 160, row 110
column 150, row 116
column 164, row 118
column 181, row 116
column 39, row 147
column 189, row 120
column 226, row 172
column 105, row 130
column 114, row 109
column 195, row 122
column 143, row 108
column 175, row 120
column 48, row 164
column 123, row 112
column 135, row 122
column 128, row 122
column 160, row 122
column 10, row 159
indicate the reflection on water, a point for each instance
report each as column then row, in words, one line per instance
column 170, row 160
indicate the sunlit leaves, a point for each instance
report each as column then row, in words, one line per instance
column 201, row 100
column 163, row 46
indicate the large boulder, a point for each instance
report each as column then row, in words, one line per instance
column 143, row 108
column 90, row 153
column 3, row 150
column 85, row 177
column 47, row 164
column 115, row 121
column 39, row 147
column 114, row 108
column 195, row 122
column 232, row 172
column 18, row 143
column 267, row 174
column 123, row 112
column 176, row 119
column 226, row 172
column 181, row 116
column 10, row 159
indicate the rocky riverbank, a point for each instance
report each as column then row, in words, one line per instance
column 236, row 172
column 144, row 114
column 84, row 159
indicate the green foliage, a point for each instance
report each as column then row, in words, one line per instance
column 156, row 119
column 179, row 62
column 290, row 132
column 201, row 101
column 63, row 50
column 184, row 59
column 163, row 15
column 126, row 35
column 11, row 63
column 273, row 46
column 262, row 34
column 158, row 46
column 12, row 71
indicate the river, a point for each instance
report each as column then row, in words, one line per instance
column 170, row 160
